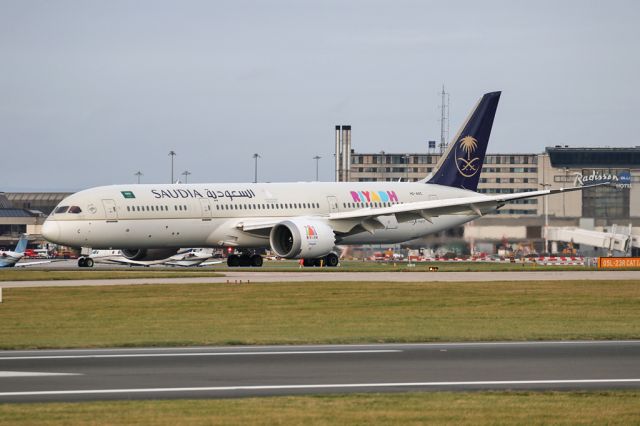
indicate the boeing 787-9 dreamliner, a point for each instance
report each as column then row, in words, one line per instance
column 304, row 220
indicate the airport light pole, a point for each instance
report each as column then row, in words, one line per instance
column 186, row 174
column 255, row 170
column 546, row 218
column 564, row 185
column 138, row 174
column 317, row 158
column 172, row 154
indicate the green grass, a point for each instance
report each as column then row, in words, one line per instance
column 97, row 274
column 473, row 408
column 317, row 312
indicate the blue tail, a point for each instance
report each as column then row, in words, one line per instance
column 22, row 244
column 461, row 163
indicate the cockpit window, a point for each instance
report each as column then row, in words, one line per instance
column 75, row 209
column 61, row 209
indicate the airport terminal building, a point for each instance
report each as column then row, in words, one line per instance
column 25, row 212
column 557, row 167
column 522, row 221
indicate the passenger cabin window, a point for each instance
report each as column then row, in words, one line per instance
column 61, row 209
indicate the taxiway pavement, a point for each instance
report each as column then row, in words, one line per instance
column 197, row 372
column 258, row 276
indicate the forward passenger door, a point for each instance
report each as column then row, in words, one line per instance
column 205, row 208
column 110, row 209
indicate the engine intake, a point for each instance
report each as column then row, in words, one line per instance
column 300, row 238
column 148, row 254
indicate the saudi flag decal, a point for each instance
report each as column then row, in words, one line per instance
column 127, row 194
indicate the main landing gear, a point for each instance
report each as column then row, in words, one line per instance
column 330, row 260
column 244, row 259
column 255, row 260
column 85, row 262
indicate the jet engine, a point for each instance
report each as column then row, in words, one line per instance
column 148, row 254
column 301, row 238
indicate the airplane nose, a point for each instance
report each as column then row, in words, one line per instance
column 50, row 230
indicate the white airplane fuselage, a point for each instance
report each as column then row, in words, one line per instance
column 9, row 258
column 211, row 215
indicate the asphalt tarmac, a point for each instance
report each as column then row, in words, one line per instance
column 247, row 277
column 218, row 372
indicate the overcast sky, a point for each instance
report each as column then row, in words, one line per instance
column 93, row 91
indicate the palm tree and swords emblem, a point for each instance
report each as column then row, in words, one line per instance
column 466, row 166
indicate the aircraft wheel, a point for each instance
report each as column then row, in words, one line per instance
column 233, row 261
column 318, row 262
column 245, row 260
column 331, row 260
column 89, row 262
column 256, row 260
column 82, row 262
column 307, row 262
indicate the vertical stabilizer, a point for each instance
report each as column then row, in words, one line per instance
column 22, row 244
column 461, row 163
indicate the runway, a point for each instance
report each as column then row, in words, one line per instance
column 258, row 276
column 217, row 372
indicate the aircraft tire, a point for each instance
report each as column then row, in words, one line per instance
column 256, row 261
column 245, row 260
column 318, row 262
column 82, row 262
column 307, row 262
column 89, row 262
column 331, row 260
column 233, row 261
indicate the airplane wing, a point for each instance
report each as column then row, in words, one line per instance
column 258, row 227
column 41, row 262
column 477, row 204
column 213, row 262
column 372, row 218
column 124, row 261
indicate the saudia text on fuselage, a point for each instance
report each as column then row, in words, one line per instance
column 206, row 193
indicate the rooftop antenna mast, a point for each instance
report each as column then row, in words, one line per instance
column 444, row 120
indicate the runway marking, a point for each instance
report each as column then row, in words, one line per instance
column 5, row 374
column 327, row 347
column 321, row 386
column 150, row 355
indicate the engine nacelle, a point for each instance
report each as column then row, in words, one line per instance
column 300, row 238
column 148, row 254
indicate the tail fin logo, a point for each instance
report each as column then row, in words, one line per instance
column 467, row 166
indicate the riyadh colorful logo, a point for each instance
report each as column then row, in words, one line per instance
column 374, row 196
column 311, row 232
